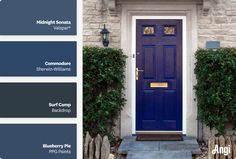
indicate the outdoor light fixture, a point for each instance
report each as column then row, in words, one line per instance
column 105, row 36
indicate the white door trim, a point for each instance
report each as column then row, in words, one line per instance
column 184, row 64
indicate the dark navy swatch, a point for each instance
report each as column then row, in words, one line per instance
column 38, row 17
column 37, row 58
column 38, row 141
column 38, row 100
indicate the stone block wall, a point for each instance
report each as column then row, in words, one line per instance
column 219, row 24
column 95, row 15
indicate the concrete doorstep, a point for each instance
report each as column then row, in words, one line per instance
column 159, row 149
column 159, row 155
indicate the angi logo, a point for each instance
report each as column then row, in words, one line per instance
column 221, row 150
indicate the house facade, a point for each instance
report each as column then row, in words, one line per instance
column 160, row 38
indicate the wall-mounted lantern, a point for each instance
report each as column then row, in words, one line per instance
column 105, row 36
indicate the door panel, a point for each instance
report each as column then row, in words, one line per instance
column 149, row 62
column 149, row 102
column 169, row 61
column 159, row 59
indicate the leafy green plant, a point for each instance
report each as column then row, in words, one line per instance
column 216, row 87
column 103, row 84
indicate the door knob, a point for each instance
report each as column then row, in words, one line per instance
column 137, row 71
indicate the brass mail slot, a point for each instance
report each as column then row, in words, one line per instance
column 158, row 84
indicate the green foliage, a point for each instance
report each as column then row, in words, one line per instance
column 216, row 87
column 103, row 84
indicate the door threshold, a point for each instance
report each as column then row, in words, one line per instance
column 160, row 132
column 157, row 136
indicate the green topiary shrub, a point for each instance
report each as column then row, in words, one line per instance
column 216, row 87
column 103, row 84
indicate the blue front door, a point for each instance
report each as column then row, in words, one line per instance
column 159, row 75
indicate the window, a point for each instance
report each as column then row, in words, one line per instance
column 169, row 30
column 148, row 30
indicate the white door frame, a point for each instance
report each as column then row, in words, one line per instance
column 184, row 70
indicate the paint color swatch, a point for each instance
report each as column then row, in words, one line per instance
column 38, row 59
column 38, row 17
column 38, row 141
column 38, row 100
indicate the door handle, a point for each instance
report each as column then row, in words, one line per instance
column 137, row 72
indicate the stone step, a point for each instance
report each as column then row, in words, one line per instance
column 159, row 155
column 130, row 144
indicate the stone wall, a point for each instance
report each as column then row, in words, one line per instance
column 219, row 24
column 95, row 15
